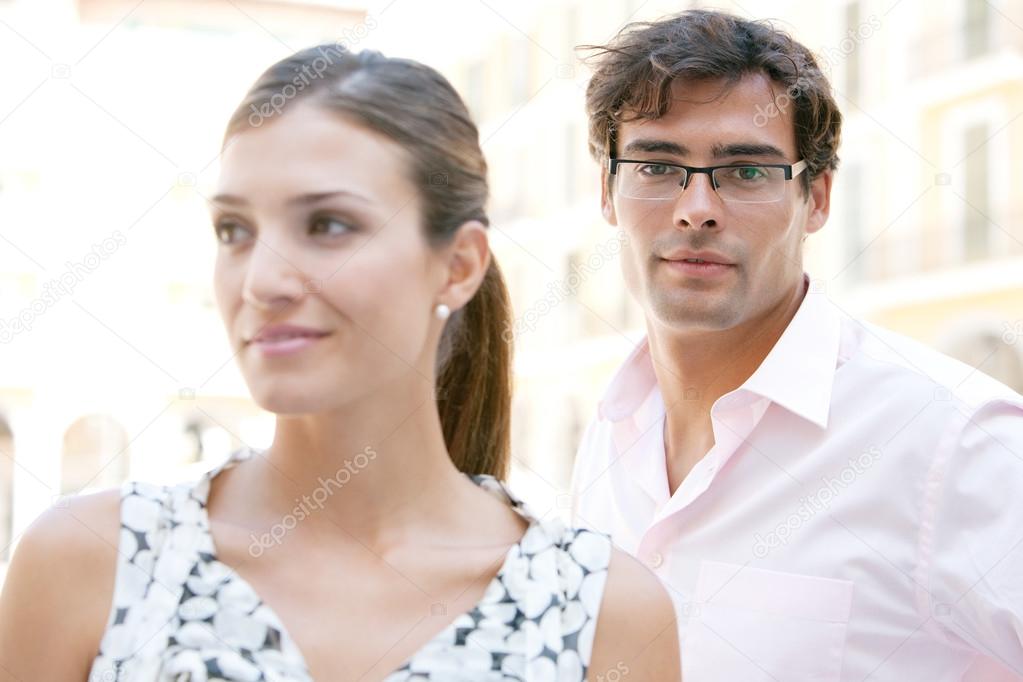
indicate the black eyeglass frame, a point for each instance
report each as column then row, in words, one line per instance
column 791, row 171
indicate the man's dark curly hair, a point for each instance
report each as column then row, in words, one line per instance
column 634, row 73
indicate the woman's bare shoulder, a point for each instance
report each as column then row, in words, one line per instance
column 59, row 587
column 637, row 634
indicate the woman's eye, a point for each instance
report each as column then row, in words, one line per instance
column 226, row 230
column 329, row 226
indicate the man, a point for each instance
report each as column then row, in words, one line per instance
column 825, row 499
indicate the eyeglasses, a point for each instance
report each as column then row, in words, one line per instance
column 748, row 183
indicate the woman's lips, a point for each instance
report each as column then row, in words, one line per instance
column 278, row 346
column 285, row 339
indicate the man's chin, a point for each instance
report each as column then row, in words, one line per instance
column 689, row 315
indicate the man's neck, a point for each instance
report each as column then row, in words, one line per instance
column 695, row 369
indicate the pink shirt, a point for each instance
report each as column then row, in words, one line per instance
column 860, row 516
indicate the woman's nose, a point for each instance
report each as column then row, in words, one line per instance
column 272, row 280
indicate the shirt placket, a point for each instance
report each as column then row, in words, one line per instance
column 734, row 418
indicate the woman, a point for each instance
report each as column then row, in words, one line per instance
column 373, row 539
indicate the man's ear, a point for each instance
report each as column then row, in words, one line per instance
column 607, row 207
column 467, row 258
column 819, row 201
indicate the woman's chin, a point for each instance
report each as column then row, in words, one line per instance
column 290, row 403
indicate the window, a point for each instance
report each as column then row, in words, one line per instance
column 475, row 90
column 572, row 27
column 852, row 223
column 852, row 60
column 977, row 36
column 6, row 488
column 571, row 169
column 976, row 231
column 518, row 72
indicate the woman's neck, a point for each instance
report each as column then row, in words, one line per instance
column 377, row 468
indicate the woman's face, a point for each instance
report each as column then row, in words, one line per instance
column 319, row 228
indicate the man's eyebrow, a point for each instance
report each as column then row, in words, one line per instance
column 720, row 151
column 651, row 145
column 310, row 198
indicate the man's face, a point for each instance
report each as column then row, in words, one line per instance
column 759, row 244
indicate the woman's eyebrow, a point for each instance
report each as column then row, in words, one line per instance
column 313, row 197
column 309, row 198
column 228, row 199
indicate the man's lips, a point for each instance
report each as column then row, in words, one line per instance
column 698, row 264
column 697, row 257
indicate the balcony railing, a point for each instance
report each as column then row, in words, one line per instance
column 936, row 248
column 951, row 45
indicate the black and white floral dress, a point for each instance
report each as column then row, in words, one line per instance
column 180, row 615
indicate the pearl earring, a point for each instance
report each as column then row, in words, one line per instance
column 442, row 312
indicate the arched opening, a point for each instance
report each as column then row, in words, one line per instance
column 94, row 455
column 206, row 440
column 6, row 488
column 988, row 348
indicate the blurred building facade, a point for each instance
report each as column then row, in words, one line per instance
column 110, row 119
column 926, row 229
column 103, row 221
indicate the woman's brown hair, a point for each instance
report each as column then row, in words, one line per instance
column 416, row 107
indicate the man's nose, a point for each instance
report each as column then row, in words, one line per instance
column 698, row 205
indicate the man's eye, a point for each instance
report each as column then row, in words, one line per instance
column 749, row 172
column 657, row 169
column 226, row 231
column 329, row 226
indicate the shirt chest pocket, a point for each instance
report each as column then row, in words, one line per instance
column 756, row 625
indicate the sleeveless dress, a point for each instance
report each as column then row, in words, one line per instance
column 180, row 615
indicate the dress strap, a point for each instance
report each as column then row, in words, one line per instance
column 162, row 537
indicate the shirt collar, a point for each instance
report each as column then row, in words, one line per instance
column 630, row 386
column 797, row 374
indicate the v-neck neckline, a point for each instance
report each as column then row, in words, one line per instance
column 287, row 642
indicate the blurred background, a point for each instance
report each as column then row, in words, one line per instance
column 113, row 360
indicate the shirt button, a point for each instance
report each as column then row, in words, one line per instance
column 655, row 560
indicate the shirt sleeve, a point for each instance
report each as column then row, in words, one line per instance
column 973, row 544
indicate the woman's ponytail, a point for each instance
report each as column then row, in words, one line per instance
column 474, row 385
